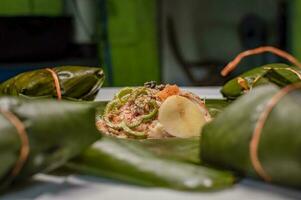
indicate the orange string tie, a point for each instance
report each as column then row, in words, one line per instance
column 260, row 125
column 24, row 150
column 233, row 64
column 56, row 83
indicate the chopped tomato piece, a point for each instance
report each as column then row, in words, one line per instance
column 168, row 91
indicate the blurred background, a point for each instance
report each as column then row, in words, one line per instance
column 170, row 41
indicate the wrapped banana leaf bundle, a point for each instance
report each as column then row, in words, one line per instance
column 280, row 74
column 258, row 135
column 41, row 135
column 67, row 82
column 261, row 75
column 129, row 162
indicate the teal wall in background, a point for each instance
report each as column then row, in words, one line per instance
column 31, row 7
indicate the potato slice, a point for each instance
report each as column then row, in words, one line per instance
column 181, row 117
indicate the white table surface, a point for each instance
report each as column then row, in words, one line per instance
column 79, row 187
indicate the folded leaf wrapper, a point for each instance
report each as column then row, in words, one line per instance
column 255, row 77
column 56, row 132
column 181, row 149
column 130, row 162
column 74, row 82
column 228, row 141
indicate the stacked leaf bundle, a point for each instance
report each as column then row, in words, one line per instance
column 258, row 135
column 68, row 82
column 41, row 135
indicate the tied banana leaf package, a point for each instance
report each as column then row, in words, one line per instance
column 258, row 135
column 68, row 82
column 41, row 135
column 159, row 161
column 280, row 74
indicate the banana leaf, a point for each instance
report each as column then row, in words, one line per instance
column 181, row 149
column 153, row 162
column 260, row 76
column 226, row 141
column 76, row 82
column 56, row 131
column 216, row 106
column 173, row 148
column 186, row 150
column 130, row 162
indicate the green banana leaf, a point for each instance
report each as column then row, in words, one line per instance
column 57, row 131
column 181, row 149
column 216, row 106
column 232, row 90
column 273, row 76
column 225, row 141
column 146, row 162
column 76, row 82
column 186, row 150
column 122, row 160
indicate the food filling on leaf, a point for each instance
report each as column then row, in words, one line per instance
column 154, row 111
